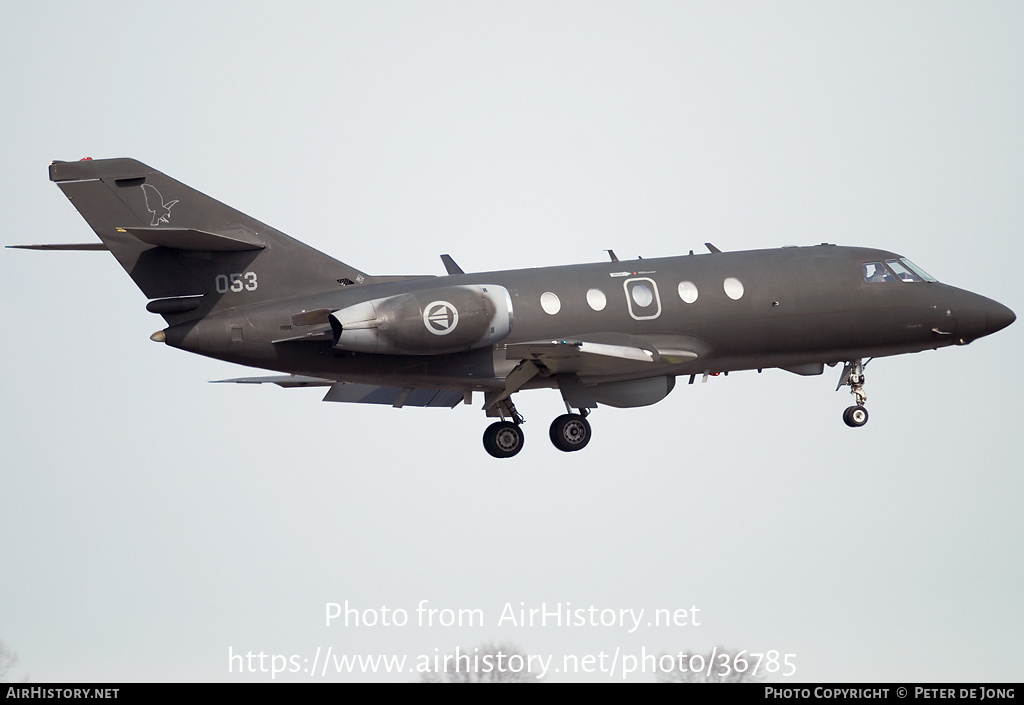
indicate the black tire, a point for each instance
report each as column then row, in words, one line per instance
column 570, row 432
column 855, row 416
column 503, row 439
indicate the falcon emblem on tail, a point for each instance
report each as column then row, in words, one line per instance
column 155, row 204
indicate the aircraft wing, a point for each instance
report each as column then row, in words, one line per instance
column 286, row 381
column 361, row 393
column 393, row 396
column 98, row 246
column 606, row 354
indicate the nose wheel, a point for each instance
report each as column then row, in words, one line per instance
column 853, row 377
column 855, row 416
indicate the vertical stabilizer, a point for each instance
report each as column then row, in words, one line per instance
column 181, row 245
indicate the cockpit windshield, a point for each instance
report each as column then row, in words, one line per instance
column 895, row 270
column 918, row 271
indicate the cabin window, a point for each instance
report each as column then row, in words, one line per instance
column 733, row 288
column 688, row 292
column 550, row 303
column 596, row 299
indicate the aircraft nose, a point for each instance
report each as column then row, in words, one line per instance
column 999, row 317
column 978, row 316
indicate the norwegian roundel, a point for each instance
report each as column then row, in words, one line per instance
column 440, row 317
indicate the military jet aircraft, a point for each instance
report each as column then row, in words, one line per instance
column 615, row 333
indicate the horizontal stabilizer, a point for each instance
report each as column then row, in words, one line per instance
column 196, row 240
column 86, row 169
column 286, row 381
column 85, row 246
column 393, row 396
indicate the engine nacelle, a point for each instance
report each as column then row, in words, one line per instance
column 431, row 322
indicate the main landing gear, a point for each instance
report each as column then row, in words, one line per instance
column 504, row 439
column 853, row 377
column 570, row 432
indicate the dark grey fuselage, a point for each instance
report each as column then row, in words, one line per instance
column 613, row 333
column 798, row 306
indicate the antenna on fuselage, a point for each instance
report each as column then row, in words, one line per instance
column 450, row 265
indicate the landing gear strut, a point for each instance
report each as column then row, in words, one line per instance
column 503, row 439
column 853, row 376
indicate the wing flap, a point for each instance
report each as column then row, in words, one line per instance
column 393, row 396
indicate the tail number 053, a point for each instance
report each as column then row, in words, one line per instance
column 237, row 282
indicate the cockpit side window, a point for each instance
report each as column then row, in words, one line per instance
column 876, row 272
column 895, row 270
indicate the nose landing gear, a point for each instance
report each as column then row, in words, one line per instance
column 853, row 377
column 855, row 416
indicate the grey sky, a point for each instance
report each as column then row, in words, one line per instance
column 151, row 521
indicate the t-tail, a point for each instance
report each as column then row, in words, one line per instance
column 190, row 254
